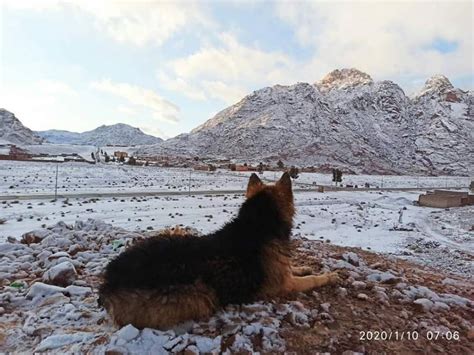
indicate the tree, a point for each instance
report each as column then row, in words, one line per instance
column 146, row 163
column 280, row 164
column 339, row 176
column 132, row 161
column 232, row 167
column 294, row 171
column 336, row 175
column 260, row 168
column 93, row 156
column 211, row 167
column 107, row 159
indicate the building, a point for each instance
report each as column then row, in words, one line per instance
column 446, row 199
column 12, row 152
column 120, row 155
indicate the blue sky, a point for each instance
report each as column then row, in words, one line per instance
column 168, row 67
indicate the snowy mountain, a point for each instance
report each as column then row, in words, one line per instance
column 13, row 131
column 117, row 134
column 345, row 120
column 56, row 136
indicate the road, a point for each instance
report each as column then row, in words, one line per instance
column 202, row 192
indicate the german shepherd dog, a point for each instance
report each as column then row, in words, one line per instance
column 168, row 279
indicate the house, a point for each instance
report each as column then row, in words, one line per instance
column 12, row 152
column 120, row 155
column 201, row 167
column 446, row 199
column 241, row 168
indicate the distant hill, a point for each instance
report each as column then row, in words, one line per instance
column 117, row 134
column 13, row 131
column 345, row 120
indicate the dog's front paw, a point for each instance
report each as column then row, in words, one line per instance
column 333, row 278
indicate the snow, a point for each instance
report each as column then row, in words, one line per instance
column 345, row 121
column 68, row 320
column 117, row 134
column 59, row 340
column 382, row 221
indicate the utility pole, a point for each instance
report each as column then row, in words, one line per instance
column 56, row 185
column 189, row 185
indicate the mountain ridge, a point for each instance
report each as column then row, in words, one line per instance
column 13, row 131
column 116, row 134
column 345, row 120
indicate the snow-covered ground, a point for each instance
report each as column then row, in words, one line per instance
column 48, row 302
column 386, row 222
column 35, row 177
column 82, row 234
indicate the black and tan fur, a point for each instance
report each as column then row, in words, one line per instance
column 165, row 280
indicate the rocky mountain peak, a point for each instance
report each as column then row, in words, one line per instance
column 439, row 86
column 437, row 83
column 12, row 130
column 344, row 78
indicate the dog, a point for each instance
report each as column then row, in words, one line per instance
column 172, row 278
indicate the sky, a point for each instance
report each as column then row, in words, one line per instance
column 167, row 67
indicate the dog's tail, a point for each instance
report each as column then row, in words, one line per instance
column 159, row 308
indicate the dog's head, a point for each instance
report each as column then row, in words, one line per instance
column 281, row 192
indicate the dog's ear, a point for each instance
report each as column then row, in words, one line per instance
column 255, row 184
column 284, row 184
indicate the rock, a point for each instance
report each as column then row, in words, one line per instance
column 383, row 277
column 40, row 290
column 470, row 334
column 59, row 340
column 31, row 238
column 172, row 343
column 441, row 306
column 74, row 290
column 207, row 345
column 128, row 333
column 351, row 258
column 191, row 350
column 424, row 304
column 62, row 274
column 325, row 307
column 359, row 285
column 342, row 292
column 362, row 296
column 7, row 248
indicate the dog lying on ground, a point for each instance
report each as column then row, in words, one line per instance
column 169, row 279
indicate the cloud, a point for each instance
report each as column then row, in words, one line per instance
column 162, row 109
column 181, row 86
column 384, row 38
column 41, row 104
column 140, row 22
column 226, row 71
column 227, row 93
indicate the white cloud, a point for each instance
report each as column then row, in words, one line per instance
column 226, row 93
column 139, row 22
column 226, row 71
column 180, row 85
column 162, row 109
column 42, row 104
column 384, row 38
